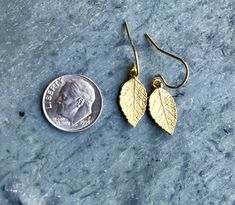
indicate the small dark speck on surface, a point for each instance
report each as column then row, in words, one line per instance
column 21, row 114
column 226, row 131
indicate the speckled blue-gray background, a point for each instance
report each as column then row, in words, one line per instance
column 112, row 163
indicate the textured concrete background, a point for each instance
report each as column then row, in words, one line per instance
column 112, row 163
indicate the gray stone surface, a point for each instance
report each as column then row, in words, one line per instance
column 112, row 163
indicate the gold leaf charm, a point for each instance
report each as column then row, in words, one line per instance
column 162, row 108
column 133, row 100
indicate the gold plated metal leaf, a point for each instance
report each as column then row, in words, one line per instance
column 162, row 108
column 133, row 100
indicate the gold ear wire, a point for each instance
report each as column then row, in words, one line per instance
column 133, row 95
column 158, row 76
column 162, row 105
column 137, row 69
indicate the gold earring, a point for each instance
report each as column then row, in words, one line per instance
column 162, row 105
column 133, row 95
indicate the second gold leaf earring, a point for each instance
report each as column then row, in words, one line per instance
column 162, row 105
column 133, row 95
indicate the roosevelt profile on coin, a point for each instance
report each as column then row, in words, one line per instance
column 75, row 100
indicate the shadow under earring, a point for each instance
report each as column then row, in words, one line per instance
column 133, row 95
column 162, row 105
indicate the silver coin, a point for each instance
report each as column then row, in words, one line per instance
column 72, row 103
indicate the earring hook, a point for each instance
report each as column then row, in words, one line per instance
column 133, row 47
column 158, row 76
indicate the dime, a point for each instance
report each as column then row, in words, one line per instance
column 72, row 103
